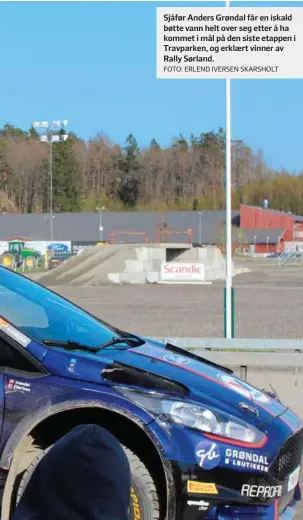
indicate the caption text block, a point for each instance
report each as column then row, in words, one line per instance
column 195, row 42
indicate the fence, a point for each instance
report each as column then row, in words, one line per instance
column 239, row 344
column 168, row 235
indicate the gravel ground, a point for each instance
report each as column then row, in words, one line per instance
column 268, row 303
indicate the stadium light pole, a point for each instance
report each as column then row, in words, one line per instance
column 200, row 227
column 51, row 133
column 228, row 277
column 100, row 222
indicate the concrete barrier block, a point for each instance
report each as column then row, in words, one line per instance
column 142, row 253
column 151, row 253
column 152, row 277
column 138, row 266
column 114, row 277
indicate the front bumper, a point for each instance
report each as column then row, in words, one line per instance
column 216, row 493
column 279, row 510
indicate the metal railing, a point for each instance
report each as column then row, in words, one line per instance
column 292, row 257
column 247, row 356
column 236, row 344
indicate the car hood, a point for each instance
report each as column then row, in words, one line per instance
column 156, row 367
column 207, row 383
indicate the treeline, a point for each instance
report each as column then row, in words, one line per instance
column 190, row 174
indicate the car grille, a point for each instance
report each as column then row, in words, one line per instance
column 288, row 458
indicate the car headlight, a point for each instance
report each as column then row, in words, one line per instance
column 195, row 416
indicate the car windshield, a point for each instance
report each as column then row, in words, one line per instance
column 42, row 314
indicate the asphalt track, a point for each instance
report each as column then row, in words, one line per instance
column 268, row 304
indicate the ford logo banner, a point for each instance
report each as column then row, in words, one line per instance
column 58, row 247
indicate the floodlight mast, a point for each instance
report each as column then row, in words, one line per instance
column 51, row 133
column 228, row 248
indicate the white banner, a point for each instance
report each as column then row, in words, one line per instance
column 38, row 246
column 182, row 272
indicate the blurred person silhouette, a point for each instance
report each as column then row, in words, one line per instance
column 84, row 476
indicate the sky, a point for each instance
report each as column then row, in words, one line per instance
column 94, row 63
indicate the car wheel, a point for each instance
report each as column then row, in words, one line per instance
column 144, row 502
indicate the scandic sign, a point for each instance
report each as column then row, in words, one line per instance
column 177, row 271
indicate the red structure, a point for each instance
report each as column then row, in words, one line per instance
column 287, row 226
column 165, row 235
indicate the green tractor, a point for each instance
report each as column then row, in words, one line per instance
column 18, row 255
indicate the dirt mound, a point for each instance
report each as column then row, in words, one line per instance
column 91, row 267
column 129, row 263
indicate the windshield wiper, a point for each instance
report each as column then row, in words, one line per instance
column 69, row 345
column 132, row 340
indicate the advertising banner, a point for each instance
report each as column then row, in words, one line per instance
column 31, row 254
column 59, row 249
column 78, row 247
column 182, row 272
column 36, row 246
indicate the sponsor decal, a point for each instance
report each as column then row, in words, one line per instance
column 208, row 455
column 71, row 366
column 79, row 247
column 14, row 333
column 203, row 488
column 179, row 360
column 135, row 504
column 181, row 268
column 10, row 384
column 246, row 460
column 293, row 479
column 175, row 271
column 58, row 247
column 244, row 389
column 23, row 386
column 261, row 491
column 202, row 506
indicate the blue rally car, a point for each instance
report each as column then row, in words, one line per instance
column 202, row 444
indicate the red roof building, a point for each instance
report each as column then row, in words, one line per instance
column 254, row 218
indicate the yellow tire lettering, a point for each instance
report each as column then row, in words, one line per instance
column 135, row 505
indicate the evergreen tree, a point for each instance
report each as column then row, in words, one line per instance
column 154, row 145
column 66, row 177
column 129, row 187
column 180, row 143
column 13, row 132
column 131, row 152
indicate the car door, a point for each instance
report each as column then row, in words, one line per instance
column 1, row 402
column 22, row 385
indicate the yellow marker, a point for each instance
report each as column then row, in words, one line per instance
column 201, row 488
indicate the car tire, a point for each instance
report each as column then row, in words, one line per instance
column 144, row 502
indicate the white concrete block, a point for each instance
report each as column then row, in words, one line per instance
column 153, row 277
column 114, row 277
